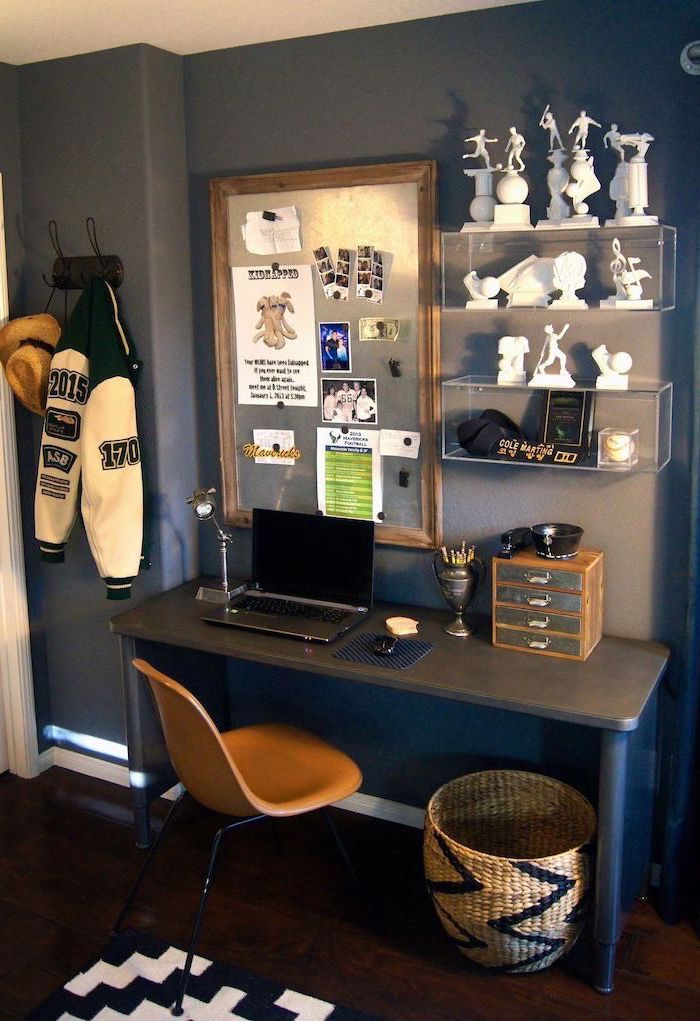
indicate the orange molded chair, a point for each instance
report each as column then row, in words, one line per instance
column 250, row 773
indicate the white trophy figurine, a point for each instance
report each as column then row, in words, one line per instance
column 583, row 183
column 614, row 368
column 558, row 210
column 569, row 276
column 483, row 291
column 637, row 190
column 511, row 364
column 530, row 283
column 483, row 204
column 549, row 124
column 627, row 278
column 619, row 186
column 512, row 189
column 551, row 353
column 582, row 125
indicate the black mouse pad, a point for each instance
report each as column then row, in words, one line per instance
column 407, row 651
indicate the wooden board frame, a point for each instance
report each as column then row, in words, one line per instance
column 428, row 534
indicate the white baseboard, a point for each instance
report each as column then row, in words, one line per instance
column 113, row 772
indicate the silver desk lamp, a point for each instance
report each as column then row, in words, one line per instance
column 204, row 506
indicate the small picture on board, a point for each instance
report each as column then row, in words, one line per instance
column 350, row 402
column 334, row 340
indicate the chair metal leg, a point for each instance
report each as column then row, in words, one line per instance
column 177, row 1009
column 348, row 863
column 149, row 858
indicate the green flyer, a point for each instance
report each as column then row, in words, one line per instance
column 348, row 472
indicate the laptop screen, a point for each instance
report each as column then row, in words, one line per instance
column 313, row 556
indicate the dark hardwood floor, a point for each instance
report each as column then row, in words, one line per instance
column 67, row 859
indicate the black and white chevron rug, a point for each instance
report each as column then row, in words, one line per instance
column 137, row 977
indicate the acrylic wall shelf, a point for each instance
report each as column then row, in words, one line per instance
column 646, row 407
column 492, row 253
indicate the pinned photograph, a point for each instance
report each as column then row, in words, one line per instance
column 322, row 258
column 370, row 274
column 346, row 402
column 379, row 329
column 334, row 340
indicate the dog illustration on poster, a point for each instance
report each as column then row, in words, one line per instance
column 272, row 325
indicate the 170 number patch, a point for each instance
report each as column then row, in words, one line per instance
column 118, row 453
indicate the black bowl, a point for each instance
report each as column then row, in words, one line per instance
column 557, row 541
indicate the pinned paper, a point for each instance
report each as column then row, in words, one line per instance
column 397, row 443
column 273, row 446
column 272, row 231
column 348, row 473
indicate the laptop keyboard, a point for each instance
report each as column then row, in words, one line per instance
column 290, row 608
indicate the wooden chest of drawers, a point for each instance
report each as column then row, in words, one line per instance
column 550, row 607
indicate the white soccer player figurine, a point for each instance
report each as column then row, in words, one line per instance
column 514, row 148
column 582, row 125
column 480, row 149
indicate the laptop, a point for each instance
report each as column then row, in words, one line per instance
column 312, row 577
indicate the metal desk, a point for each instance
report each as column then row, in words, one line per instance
column 608, row 692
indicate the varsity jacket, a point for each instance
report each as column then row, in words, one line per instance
column 90, row 435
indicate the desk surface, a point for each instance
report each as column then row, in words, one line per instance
column 609, row 690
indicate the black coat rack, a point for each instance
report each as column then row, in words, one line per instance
column 73, row 272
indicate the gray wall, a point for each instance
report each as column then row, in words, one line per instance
column 103, row 135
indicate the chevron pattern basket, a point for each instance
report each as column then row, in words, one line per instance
column 507, row 862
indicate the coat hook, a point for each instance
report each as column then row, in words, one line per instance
column 92, row 238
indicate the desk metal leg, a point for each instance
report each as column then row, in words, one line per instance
column 612, row 790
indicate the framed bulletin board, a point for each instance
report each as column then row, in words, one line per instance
column 324, row 290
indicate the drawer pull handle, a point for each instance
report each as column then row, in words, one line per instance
column 537, row 579
column 537, row 621
column 538, row 600
column 538, row 644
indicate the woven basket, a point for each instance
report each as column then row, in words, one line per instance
column 507, row 864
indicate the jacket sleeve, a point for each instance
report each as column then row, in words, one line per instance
column 112, row 500
column 58, row 475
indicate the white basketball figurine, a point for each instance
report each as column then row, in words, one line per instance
column 549, row 124
column 511, row 364
column 582, row 125
column 614, row 368
column 512, row 189
column 483, row 204
column 551, row 353
column 483, row 291
column 627, row 278
column 569, row 277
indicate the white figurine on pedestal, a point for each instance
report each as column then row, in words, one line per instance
column 549, row 124
column 511, row 364
column 483, row 291
column 614, row 368
column 558, row 210
column 638, row 193
column 628, row 282
column 551, row 353
column 512, row 189
column 483, row 204
column 619, row 186
column 569, row 277
column 582, row 124
column 583, row 183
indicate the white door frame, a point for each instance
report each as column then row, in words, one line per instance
column 16, row 686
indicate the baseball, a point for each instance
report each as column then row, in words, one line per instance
column 621, row 362
column 618, row 447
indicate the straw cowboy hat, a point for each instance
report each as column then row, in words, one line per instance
column 26, row 350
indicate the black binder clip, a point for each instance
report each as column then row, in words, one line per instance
column 404, row 476
column 395, row 367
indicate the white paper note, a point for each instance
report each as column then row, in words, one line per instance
column 265, row 236
column 397, row 443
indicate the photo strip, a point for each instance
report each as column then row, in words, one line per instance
column 347, row 402
column 324, row 266
column 370, row 274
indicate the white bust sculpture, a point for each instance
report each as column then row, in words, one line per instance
column 511, row 364
column 569, row 277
